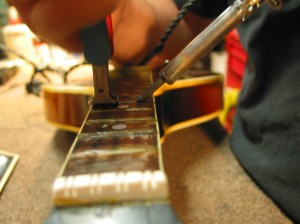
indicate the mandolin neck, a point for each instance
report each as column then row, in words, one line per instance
column 117, row 153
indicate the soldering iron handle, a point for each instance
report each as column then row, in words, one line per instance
column 207, row 39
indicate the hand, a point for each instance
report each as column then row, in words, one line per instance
column 59, row 21
column 137, row 24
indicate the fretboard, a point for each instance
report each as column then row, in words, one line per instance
column 116, row 156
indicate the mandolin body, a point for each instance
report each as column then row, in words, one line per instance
column 187, row 102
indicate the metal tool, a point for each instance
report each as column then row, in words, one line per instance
column 201, row 45
column 98, row 48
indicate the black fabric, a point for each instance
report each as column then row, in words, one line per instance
column 266, row 133
column 211, row 8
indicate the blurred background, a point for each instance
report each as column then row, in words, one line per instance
column 21, row 49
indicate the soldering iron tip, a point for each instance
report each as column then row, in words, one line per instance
column 156, row 85
column 140, row 99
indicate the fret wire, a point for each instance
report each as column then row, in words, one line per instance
column 92, row 121
column 120, row 110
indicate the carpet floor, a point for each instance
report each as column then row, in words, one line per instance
column 207, row 183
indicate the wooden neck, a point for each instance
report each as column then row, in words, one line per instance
column 117, row 154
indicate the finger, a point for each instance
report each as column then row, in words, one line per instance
column 60, row 21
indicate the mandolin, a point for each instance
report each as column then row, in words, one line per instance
column 114, row 170
column 195, row 99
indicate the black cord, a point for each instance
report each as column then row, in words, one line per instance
column 33, row 86
column 66, row 73
column 158, row 49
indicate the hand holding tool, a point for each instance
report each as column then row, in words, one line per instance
column 201, row 45
column 98, row 48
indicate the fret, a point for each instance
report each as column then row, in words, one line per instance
column 135, row 114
